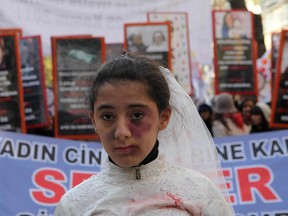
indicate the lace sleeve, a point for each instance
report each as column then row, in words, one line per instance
column 214, row 203
column 60, row 210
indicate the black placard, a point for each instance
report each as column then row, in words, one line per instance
column 235, row 62
column 11, row 95
column 33, row 81
column 75, row 60
column 280, row 90
column 235, row 66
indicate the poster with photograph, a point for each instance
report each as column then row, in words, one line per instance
column 234, row 52
column 150, row 39
column 75, row 60
column 12, row 116
column 180, row 46
column 113, row 50
column 33, row 82
column 280, row 91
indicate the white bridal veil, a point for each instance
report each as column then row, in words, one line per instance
column 187, row 142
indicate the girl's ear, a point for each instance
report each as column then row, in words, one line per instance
column 91, row 114
column 165, row 118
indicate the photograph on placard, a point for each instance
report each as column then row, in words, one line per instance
column 159, row 42
column 149, row 39
column 135, row 41
column 233, row 24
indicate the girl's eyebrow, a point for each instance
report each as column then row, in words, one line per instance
column 104, row 106
column 136, row 105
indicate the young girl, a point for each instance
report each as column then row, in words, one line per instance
column 151, row 163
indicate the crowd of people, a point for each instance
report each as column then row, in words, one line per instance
column 224, row 117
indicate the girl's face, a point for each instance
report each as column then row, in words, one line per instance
column 256, row 119
column 127, row 121
column 247, row 106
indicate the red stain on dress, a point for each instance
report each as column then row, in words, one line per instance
column 177, row 200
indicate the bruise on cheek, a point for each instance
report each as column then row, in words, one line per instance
column 139, row 129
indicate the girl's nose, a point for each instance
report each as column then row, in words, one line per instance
column 122, row 130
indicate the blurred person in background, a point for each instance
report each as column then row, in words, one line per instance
column 206, row 114
column 260, row 118
column 227, row 120
column 246, row 106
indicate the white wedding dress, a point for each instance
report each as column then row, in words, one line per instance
column 162, row 190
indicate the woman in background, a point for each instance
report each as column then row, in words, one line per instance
column 246, row 106
column 206, row 114
column 227, row 119
column 260, row 118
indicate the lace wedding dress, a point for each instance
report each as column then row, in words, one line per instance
column 162, row 189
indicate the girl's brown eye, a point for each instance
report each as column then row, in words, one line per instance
column 107, row 116
column 137, row 115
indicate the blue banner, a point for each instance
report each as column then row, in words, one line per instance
column 36, row 171
column 256, row 173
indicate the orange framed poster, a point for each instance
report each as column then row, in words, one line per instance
column 180, row 45
column 18, row 31
column 33, row 81
column 234, row 52
column 149, row 39
column 279, row 117
column 12, row 116
column 75, row 61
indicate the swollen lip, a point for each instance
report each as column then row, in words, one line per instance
column 125, row 150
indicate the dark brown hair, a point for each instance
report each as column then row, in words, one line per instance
column 134, row 68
